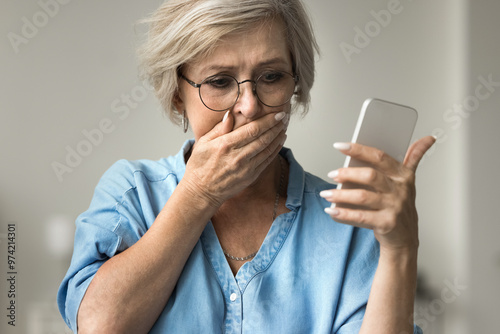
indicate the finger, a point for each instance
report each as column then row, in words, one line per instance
column 253, row 130
column 371, row 155
column 365, row 176
column 417, row 151
column 221, row 128
column 359, row 197
column 266, row 142
column 358, row 218
column 268, row 153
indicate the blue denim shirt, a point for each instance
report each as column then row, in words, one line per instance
column 311, row 274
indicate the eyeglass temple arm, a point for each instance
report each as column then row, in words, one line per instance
column 195, row 85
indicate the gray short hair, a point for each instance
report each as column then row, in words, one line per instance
column 182, row 31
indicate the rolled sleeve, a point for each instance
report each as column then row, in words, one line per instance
column 93, row 246
column 100, row 234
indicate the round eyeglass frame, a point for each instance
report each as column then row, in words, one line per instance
column 254, row 88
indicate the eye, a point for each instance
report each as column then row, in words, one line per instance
column 271, row 77
column 219, row 82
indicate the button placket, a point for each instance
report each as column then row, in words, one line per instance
column 234, row 315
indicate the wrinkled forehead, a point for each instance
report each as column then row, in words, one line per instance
column 259, row 42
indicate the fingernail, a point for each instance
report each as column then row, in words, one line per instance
column 326, row 193
column 435, row 138
column 333, row 174
column 342, row 146
column 225, row 116
column 332, row 211
column 279, row 116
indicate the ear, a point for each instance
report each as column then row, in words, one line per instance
column 178, row 102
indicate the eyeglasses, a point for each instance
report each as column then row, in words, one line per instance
column 220, row 92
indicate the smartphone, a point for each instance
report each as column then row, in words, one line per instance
column 384, row 125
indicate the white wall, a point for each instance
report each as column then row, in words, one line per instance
column 483, row 166
column 76, row 69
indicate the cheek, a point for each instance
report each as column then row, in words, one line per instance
column 203, row 121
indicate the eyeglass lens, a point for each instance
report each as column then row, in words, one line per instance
column 273, row 89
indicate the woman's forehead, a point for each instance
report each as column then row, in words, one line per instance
column 261, row 45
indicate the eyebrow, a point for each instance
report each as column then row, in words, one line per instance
column 273, row 61
column 268, row 62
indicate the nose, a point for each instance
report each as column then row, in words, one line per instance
column 248, row 103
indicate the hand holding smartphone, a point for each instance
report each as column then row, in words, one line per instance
column 384, row 125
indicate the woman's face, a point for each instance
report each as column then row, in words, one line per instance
column 243, row 56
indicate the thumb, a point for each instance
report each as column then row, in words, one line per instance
column 417, row 151
column 221, row 128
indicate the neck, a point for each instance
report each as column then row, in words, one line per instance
column 255, row 204
column 243, row 221
column 264, row 188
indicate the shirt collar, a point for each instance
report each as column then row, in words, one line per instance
column 296, row 180
column 180, row 161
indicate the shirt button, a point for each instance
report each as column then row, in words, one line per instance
column 233, row 297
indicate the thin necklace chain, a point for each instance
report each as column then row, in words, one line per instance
column 282, row 178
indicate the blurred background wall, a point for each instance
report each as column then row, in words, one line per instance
column 71, row 104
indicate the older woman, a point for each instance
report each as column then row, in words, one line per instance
column 230, row 234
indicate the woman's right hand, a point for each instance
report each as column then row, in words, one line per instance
column 225, row 161
column 222, row 163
